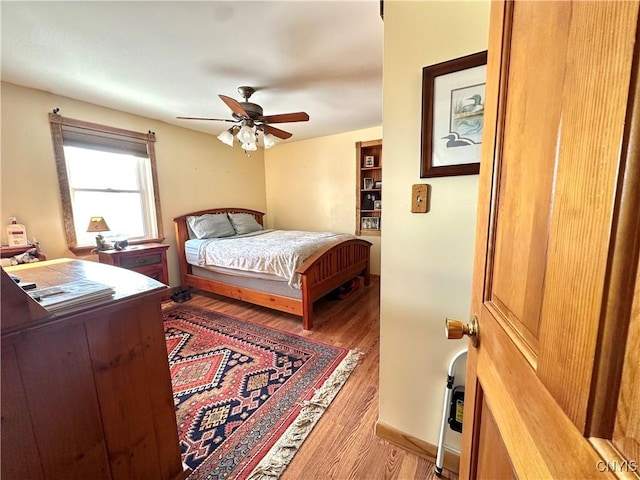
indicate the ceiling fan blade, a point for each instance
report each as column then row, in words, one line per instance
column 287, row 117
column 201, row 118
column 276, row 132
column 234, row 106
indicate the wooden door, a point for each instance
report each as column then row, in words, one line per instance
column 552, row 386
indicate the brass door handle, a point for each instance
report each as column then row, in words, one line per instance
column 455, row 329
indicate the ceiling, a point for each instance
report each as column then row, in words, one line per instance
column 172, row 58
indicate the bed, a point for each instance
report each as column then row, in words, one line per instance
column 335, row 262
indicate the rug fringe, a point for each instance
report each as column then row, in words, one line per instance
column 280, row 455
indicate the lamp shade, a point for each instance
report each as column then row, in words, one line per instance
column 97, row 224
column 226, row 137
column 269, row 140
column 246, row 135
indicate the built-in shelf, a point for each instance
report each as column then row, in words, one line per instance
column 368, row 187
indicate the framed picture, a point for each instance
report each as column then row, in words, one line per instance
column 369, row 161
column 368, row 183
column 370, row 223
column 368, row 201
column 453, row 95
column 377, row 205
column 377, row 185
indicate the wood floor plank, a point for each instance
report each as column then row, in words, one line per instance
column 343, row 444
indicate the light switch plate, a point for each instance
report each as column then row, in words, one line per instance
column 420, row 194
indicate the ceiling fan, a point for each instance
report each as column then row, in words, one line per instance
column 249, row 119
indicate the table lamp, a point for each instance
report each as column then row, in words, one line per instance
column 98, row 224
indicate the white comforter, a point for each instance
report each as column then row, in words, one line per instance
column 277, row 252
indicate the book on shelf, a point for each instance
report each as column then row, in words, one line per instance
column 71, row 296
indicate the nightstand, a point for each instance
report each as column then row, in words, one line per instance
column 149, row 259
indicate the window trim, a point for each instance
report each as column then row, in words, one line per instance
column 56, row 122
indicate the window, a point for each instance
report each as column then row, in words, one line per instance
column 108, row 172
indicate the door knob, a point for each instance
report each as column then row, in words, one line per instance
column 455, row 329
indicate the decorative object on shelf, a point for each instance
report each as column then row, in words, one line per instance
column 368, row 183
column 16, row 233
column 250, row 121
column 369, row 161
column 120, row 244
column 378, row 185
column 377, row 205
column 99, row 225
column 369, row 201
column 29, row 255
column 452, row 116
column 370, row 223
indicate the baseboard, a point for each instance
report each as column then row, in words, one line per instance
column 419, row 447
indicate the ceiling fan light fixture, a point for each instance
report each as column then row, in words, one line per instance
column 246, row 135
column 250, row 121
column 226, row 137
column 270, row 140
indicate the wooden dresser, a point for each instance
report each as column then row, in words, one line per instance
column 86, row 395
column 149, row 259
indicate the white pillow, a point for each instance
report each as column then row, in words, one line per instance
column 210, row 225
column 244, row 223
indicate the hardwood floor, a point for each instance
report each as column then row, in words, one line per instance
column 343, row 444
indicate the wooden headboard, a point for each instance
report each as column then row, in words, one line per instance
column 182, row 233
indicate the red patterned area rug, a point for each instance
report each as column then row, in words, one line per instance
column 246, row 396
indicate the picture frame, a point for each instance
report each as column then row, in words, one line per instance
column 370, row 223
column 369, row 161
column 377, row 184
column 377, row 205
column 368, row 201
column 453, row 94
column 368, row 183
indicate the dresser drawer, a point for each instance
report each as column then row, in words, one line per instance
column 141, row 260
column 154, row 271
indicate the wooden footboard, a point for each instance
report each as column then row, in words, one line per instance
column 321, row 273
column 329, row 268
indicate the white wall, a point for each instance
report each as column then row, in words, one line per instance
column 311, row 185
column 426, row 258
column 195, row 170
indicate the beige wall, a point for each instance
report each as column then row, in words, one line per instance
column 426, row 258
column 195, row 170
column 311, row 185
